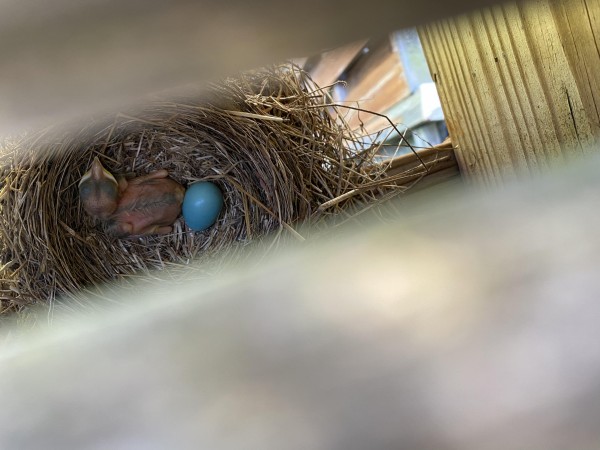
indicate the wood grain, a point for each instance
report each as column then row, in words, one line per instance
column 519, row 85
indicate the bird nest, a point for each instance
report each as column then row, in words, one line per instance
column 267, row 139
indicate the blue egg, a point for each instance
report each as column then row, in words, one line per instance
column 202, row 204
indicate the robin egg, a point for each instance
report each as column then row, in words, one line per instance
column 202, row 204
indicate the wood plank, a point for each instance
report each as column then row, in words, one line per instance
column 465, row 323
column 375, row 83
column 518, row 85
column 424, row 167
column 331, row 64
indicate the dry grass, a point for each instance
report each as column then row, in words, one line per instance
column 266, row 138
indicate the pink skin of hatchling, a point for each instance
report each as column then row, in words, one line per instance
column 149, row 204
column 145, row 205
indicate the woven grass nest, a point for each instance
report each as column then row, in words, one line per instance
column 266, row 138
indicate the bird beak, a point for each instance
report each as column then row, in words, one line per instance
column 97, row 172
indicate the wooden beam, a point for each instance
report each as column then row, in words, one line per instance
column 332, row 63
column 375, row 83
column 466, row 323
column 519, row 84
column 423, row 164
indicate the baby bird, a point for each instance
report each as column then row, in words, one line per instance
column 98, row 191
column 145, row 205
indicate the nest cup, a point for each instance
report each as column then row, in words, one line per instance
column 267, row 139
